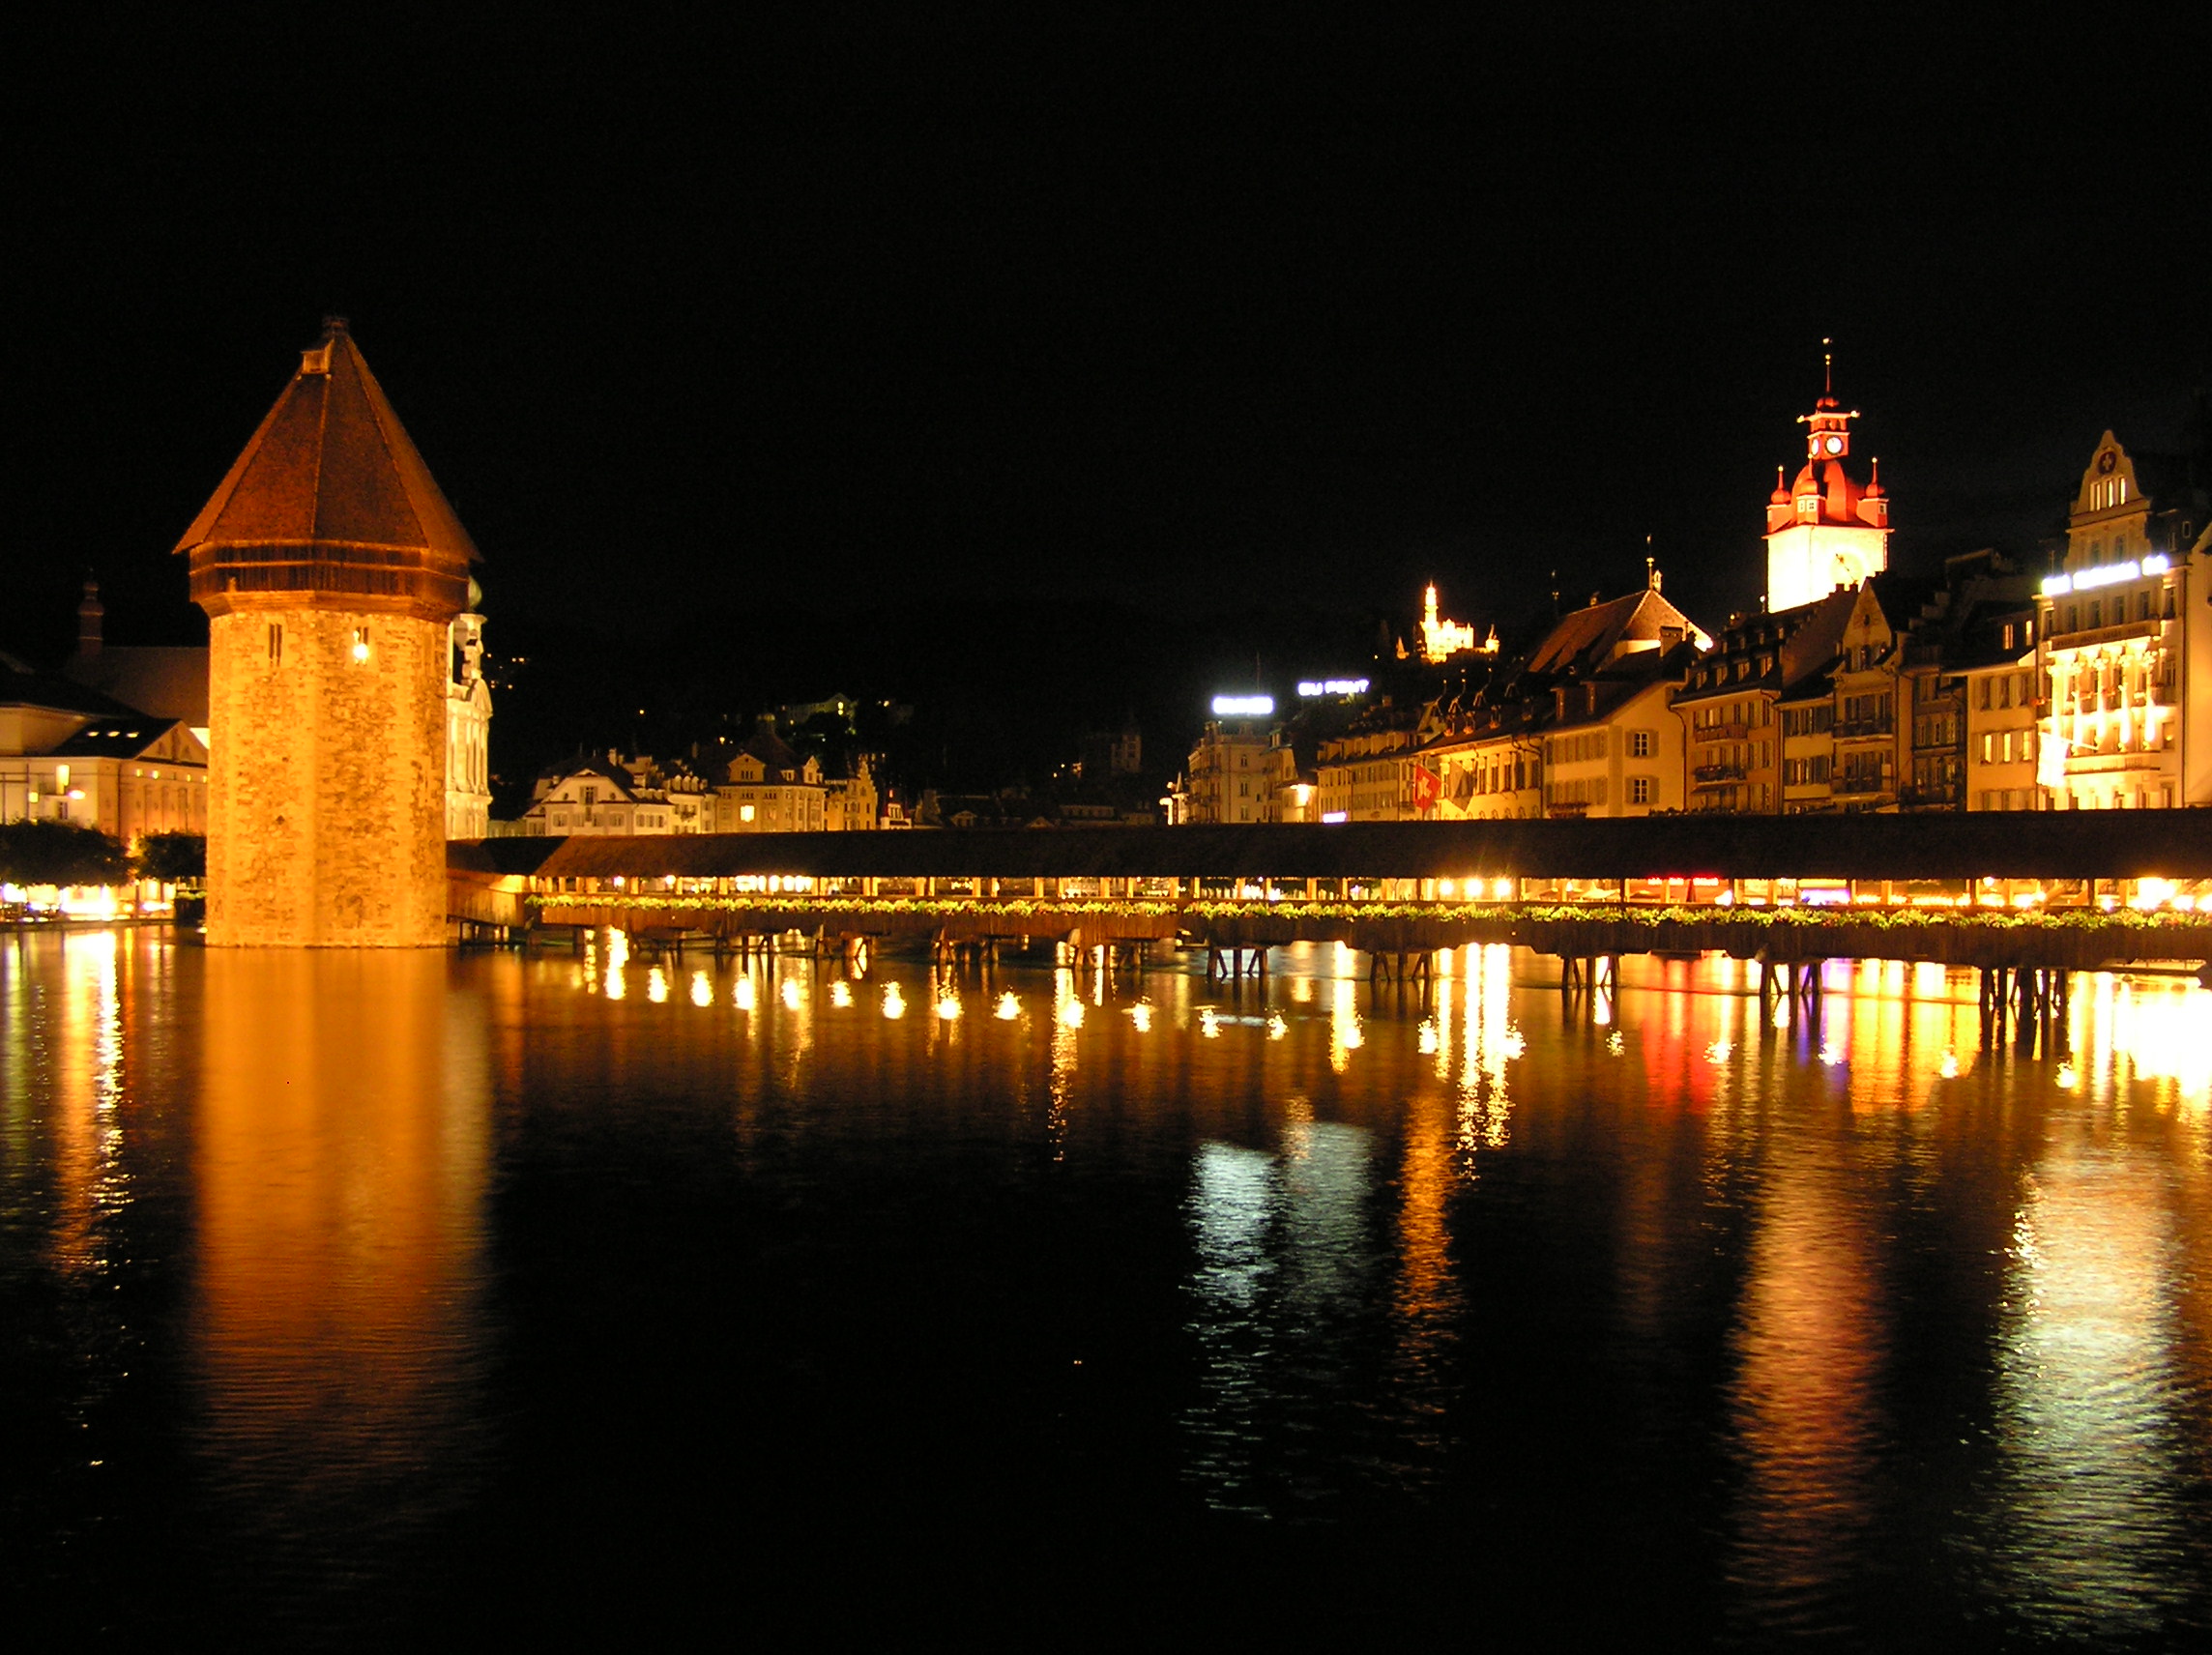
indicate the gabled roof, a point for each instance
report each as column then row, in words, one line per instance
column 115, row 737
column 1584, row 640
column 332, row 465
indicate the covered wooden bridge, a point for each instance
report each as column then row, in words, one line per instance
column 2051, row 890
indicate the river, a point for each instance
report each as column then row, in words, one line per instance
column 357, row 1298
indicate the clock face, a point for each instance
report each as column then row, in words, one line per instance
column 1834, row 445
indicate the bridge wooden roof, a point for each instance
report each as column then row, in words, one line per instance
column 2171, row 844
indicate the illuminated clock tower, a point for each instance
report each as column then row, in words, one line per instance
column 1825, row 530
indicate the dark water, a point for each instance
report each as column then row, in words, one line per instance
column 398, row 1299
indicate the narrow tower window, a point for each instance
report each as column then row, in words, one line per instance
column 360, row 643
column 276, row 642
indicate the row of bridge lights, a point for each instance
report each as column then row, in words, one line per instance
column 2149, row 895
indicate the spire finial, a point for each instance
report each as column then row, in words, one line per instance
column 1828, row 367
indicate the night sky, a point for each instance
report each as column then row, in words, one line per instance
column 740, row 346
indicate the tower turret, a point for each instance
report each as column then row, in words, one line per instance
column 1825, row 529
column 330, row 568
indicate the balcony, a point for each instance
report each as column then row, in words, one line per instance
column 1931, row 798
column 1718, row 772
column 1735, row 732
column 1858, row 785
column 1864, row 729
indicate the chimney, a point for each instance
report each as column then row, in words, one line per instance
column 88, row 615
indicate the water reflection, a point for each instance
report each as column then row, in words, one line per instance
column 342, row 1151
column 2093, row 1538
column 1835, row 1299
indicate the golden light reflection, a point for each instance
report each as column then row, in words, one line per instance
column 743, row 993
column 1488, row 1043
column 841, row 994
column 1805, row 1405
column 702, row 989
column 895, row 1003
column 1345, row 1035
column 1066, row 1019
column 1209, row 1025
column 1009, row 1007
column 2162, row 1031
column 1277, row 1028
column 656, row 985
column 792, row 996
column 343, row 1138
column 1141, row 1014
column 949, row 1008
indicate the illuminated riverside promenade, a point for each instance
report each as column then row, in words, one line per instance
column 2057, row 892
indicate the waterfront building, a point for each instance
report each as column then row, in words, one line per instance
column 849, row 802
column 1293, row 774
column 331, row 569
column 1730, row 703
column 1996, row 659
column 1825, row 529
column 1969, row 670
column 69, row 753
column 1228, row 773
column 1368, row 772
column 1580, row 726
column 2125, row 655
column 772, row 790
column 617, row 795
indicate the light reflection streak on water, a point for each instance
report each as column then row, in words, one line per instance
column 1490, row 1042
column 656, row 985
column 2091, row 1456
column 89, row 1071
column 1345, row 1035
column 2162, row 1029
column 1060, row 1085
column 1812, row 1345
column 617, row 958
column 1283, row 1261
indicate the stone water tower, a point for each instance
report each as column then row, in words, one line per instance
column 330, row 568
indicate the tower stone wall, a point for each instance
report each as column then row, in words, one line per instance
column 327, row 786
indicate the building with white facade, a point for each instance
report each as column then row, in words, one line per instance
column 2125, row 653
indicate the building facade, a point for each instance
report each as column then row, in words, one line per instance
column 2125, row 658
column 1228, row 771
column 71, row 754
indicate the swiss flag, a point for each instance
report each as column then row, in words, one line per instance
column 1428, row 788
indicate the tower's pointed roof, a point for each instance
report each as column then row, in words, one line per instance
column 333, row 467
